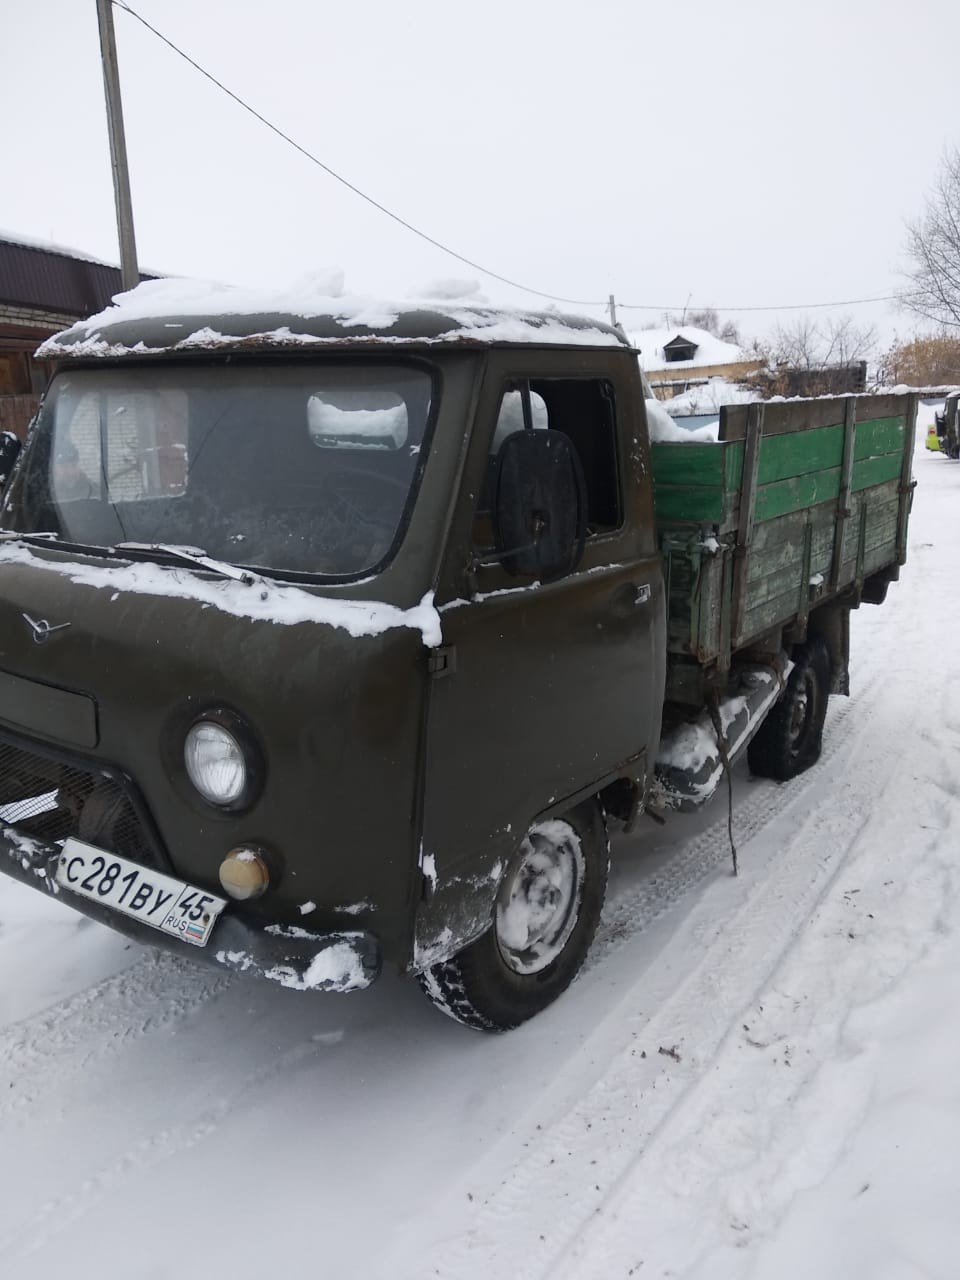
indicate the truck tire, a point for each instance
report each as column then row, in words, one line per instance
column 789, row 740
column 544, row 920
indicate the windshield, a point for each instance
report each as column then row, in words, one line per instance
column 291, row 468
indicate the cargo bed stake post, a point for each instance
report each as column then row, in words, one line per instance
column 843, row 498
column 907, row 485
column 745, row 517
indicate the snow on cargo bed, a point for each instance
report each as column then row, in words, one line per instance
column 663, row 429
column 164, row 315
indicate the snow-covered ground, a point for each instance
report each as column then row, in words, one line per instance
column 755, row 1077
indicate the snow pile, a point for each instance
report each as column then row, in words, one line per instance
column 710, row 397
column 334, row 968
column 451, row 290
column 663, row 429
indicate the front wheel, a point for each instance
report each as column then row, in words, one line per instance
column 544, row 920
column 789, row 740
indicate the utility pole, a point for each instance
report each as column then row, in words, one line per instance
column 129, row 271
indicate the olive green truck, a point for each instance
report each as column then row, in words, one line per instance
column 337, row 635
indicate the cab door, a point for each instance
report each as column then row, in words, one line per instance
column 542, row 691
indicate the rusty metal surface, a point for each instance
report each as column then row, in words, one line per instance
column 49, row 280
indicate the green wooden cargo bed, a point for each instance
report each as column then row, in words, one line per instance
column 799, row 502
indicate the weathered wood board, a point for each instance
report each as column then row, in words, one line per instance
column 822, row 514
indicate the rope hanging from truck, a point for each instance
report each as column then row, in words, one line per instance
column 714, row 708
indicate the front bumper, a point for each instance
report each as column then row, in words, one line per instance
column 288, row 954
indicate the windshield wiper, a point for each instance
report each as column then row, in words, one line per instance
column 12, row 535
column 195, row 556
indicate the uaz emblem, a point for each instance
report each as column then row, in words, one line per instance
column 42, row 629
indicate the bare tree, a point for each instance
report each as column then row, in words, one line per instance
column 813, row 344
column 933, row 246
column 810, row 357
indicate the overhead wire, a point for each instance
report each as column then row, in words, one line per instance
column 438, row 244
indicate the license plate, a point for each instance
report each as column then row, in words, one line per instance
column 170, row 905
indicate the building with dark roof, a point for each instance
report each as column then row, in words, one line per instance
column 43, row 288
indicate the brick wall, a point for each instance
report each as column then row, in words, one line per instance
column 16, row 413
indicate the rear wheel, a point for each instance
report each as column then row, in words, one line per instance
column 544, row 920
column 790, row 739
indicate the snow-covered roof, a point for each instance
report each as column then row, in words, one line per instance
column 48, row 246
column 189, row 315
column 709, row 350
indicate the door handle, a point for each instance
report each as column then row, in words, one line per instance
column 630, row 597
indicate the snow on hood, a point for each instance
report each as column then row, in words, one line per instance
column 263, row 600
column 169, row 304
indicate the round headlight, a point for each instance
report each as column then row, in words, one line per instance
column 215, row 763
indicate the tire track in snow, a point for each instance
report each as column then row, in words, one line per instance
column 45, row 1050
column 751, row 1135
column 60, row 1213
column 561, row 1183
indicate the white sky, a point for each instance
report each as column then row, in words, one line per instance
column 749, row 153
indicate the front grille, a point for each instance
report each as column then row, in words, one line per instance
column 52, row 797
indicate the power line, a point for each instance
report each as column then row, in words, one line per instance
column 790, row 306
column 437, row 244
column 575, row 302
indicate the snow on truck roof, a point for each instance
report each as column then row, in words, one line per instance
column 184, row 315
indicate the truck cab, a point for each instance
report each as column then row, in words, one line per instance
column 344, row 629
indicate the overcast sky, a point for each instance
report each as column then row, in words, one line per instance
column 741, row 154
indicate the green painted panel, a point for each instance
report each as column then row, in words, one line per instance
column 688, row 502
column 799, row 452
column 689, row 464
column 775, row 500
column 871, row 471
column 878, row 435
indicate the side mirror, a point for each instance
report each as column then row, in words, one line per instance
column 539, row 505
column 9, row 453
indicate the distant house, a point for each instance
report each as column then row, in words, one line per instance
column 43, row 288
column 675, row 360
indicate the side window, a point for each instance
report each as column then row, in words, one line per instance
column 584, row 410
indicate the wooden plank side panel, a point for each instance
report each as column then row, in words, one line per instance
column 799, row 533
column 690, row 464
column 873, row 471
column 677, row 504
column 821, row 549
column 799, row 452
column 877, row 436
column 695, row 599
column 712, row 608
column 807, row 415
column 784, row 496
column 772, row 611
column 696, row 482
